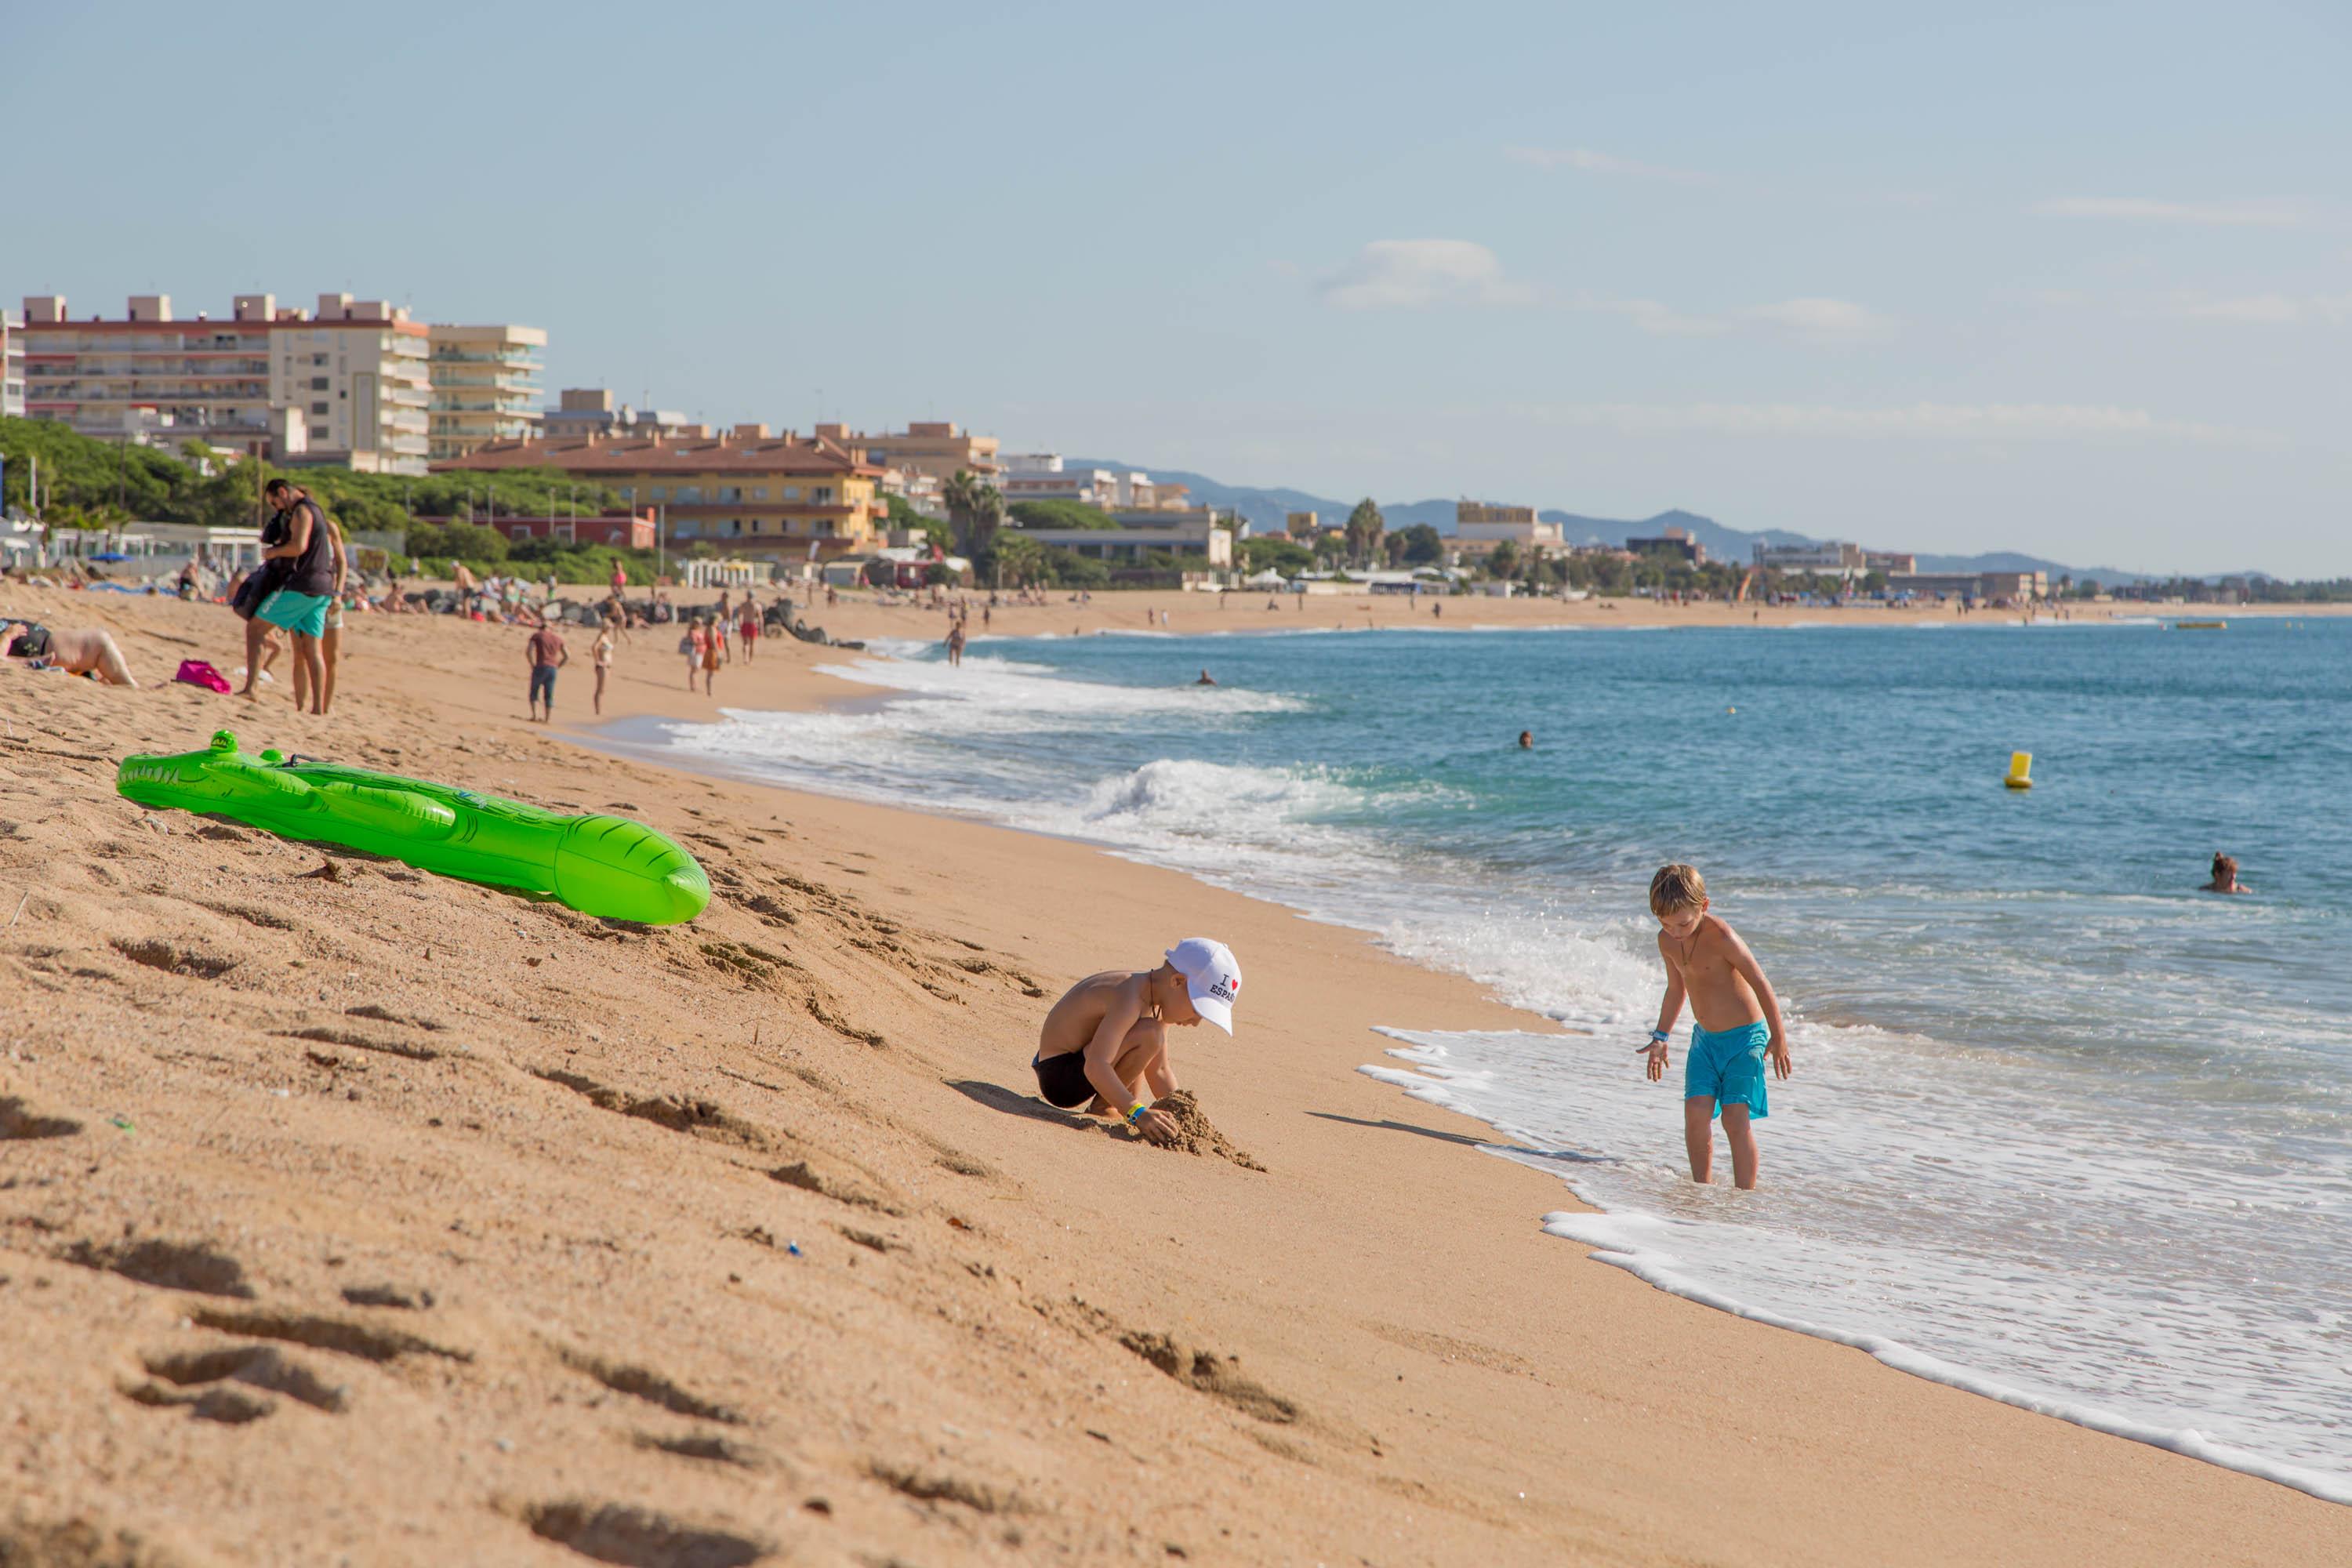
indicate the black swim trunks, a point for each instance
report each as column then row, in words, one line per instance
column 1063, row 1079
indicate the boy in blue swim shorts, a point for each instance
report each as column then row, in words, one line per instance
column 1735, row 1025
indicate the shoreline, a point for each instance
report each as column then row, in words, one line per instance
column 1563, row 1222
column 988, row 1348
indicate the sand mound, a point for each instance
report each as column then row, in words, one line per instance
column 1196, row 1135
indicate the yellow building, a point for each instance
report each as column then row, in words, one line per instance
column 938, row 448
column 748, row 492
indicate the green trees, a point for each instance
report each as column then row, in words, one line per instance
column 1275, row 552
column 1060, row 514
column 1365, row 527
column 1424, row 545
column 1503, row 562
column 903, row 516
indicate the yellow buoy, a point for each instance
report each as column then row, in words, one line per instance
column 2020, row 771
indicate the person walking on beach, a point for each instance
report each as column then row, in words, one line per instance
column 600, row 657
column 2225, row 876
column 955, row 642
column 689, row 643
column 749, row 629
column 1109, row 1032
column 1736, row 1024
column 546, row 654
column 713, row 645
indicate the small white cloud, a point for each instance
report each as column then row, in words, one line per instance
column 2264, row 211
column 2265, row 309
column 1590, row 162
column 1412, row 274
column 1821, row 318
column 1919, row 421
column 1654, row 317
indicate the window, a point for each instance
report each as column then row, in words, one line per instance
column 792, row 492
column 729, row 493
column 654, row 493
column 690, row 495
column 759, row 492
column 318, row 359
column 820, row 494
column 755, row 525
column 317, row 384
column 735, row 527
column 320, row 409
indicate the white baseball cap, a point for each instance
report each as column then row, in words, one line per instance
column 1211, row 975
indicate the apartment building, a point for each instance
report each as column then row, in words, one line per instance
column 12, row 365
column 750, row 491
column 940, row 448
column 1889, row 561
column 485, row 386
column 1142, row 532
column 346, row 386
column 1830, row 555
column 581, row 411
column 149, row 373
column 1479, row 526
column 1678, row 540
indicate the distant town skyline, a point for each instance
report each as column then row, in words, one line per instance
column 2077, row 284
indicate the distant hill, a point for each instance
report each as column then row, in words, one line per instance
column 1265, row 508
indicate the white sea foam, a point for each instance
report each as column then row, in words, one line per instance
column 1900, row 1215
column 1920, row 1228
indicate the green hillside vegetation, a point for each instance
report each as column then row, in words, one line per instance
column 89, row 483
column 1059, row 514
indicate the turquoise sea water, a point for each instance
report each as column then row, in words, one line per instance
column 2064, row 1130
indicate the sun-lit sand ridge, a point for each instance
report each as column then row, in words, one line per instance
column 375, row 1217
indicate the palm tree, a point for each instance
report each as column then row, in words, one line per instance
column 975, row 511
column 1365, row 527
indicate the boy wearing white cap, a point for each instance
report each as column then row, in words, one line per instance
column 1109, row 1032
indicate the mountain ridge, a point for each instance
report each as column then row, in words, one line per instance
column 1267, row 506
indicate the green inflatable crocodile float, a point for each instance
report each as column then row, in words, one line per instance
column 606, row 865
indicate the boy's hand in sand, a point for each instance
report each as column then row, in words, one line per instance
column 1776, row 1053
column 1157, row 1126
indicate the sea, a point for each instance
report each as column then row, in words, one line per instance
column 2063, row 1130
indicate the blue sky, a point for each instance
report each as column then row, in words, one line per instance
column 2073, row 278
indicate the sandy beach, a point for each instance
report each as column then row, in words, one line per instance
column 860, row 615
column 352, row 1215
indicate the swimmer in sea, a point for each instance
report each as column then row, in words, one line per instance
column 2225, row 876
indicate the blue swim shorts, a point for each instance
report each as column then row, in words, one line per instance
column 305, row 614
column 1727, row 1067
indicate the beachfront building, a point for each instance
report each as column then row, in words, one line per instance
column 1479, row 526
column 625, row 531
column 1993, row 587
column 756, row 493
column 1678, row 540
column 1302, row 526
column 485, row 386
column 149, row 373
column 1144, row 531
column 935, row 450
column 583, row 410
column 357, row 370
column 1829, row 557
column 1889, row 561
column 12, row 365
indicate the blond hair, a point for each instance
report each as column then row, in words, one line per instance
column 1676, row 887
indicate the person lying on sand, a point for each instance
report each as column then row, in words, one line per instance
column 1109, row 1032
column 2225, row 876
column 85, row 651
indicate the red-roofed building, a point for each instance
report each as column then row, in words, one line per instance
column 749, row 492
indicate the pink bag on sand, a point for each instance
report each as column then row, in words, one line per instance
column 197, row 672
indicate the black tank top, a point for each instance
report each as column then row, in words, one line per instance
column 313, row 571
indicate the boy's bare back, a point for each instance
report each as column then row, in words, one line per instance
column 1075, row 1018
column 1710, row 961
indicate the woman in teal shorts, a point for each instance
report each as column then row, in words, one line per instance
column 299, row 601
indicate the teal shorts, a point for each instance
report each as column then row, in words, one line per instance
column 1727, row 1067
column 305, row 615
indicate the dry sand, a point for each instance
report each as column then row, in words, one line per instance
column 387, row 1219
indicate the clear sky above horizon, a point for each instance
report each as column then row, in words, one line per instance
column 2074, row 279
